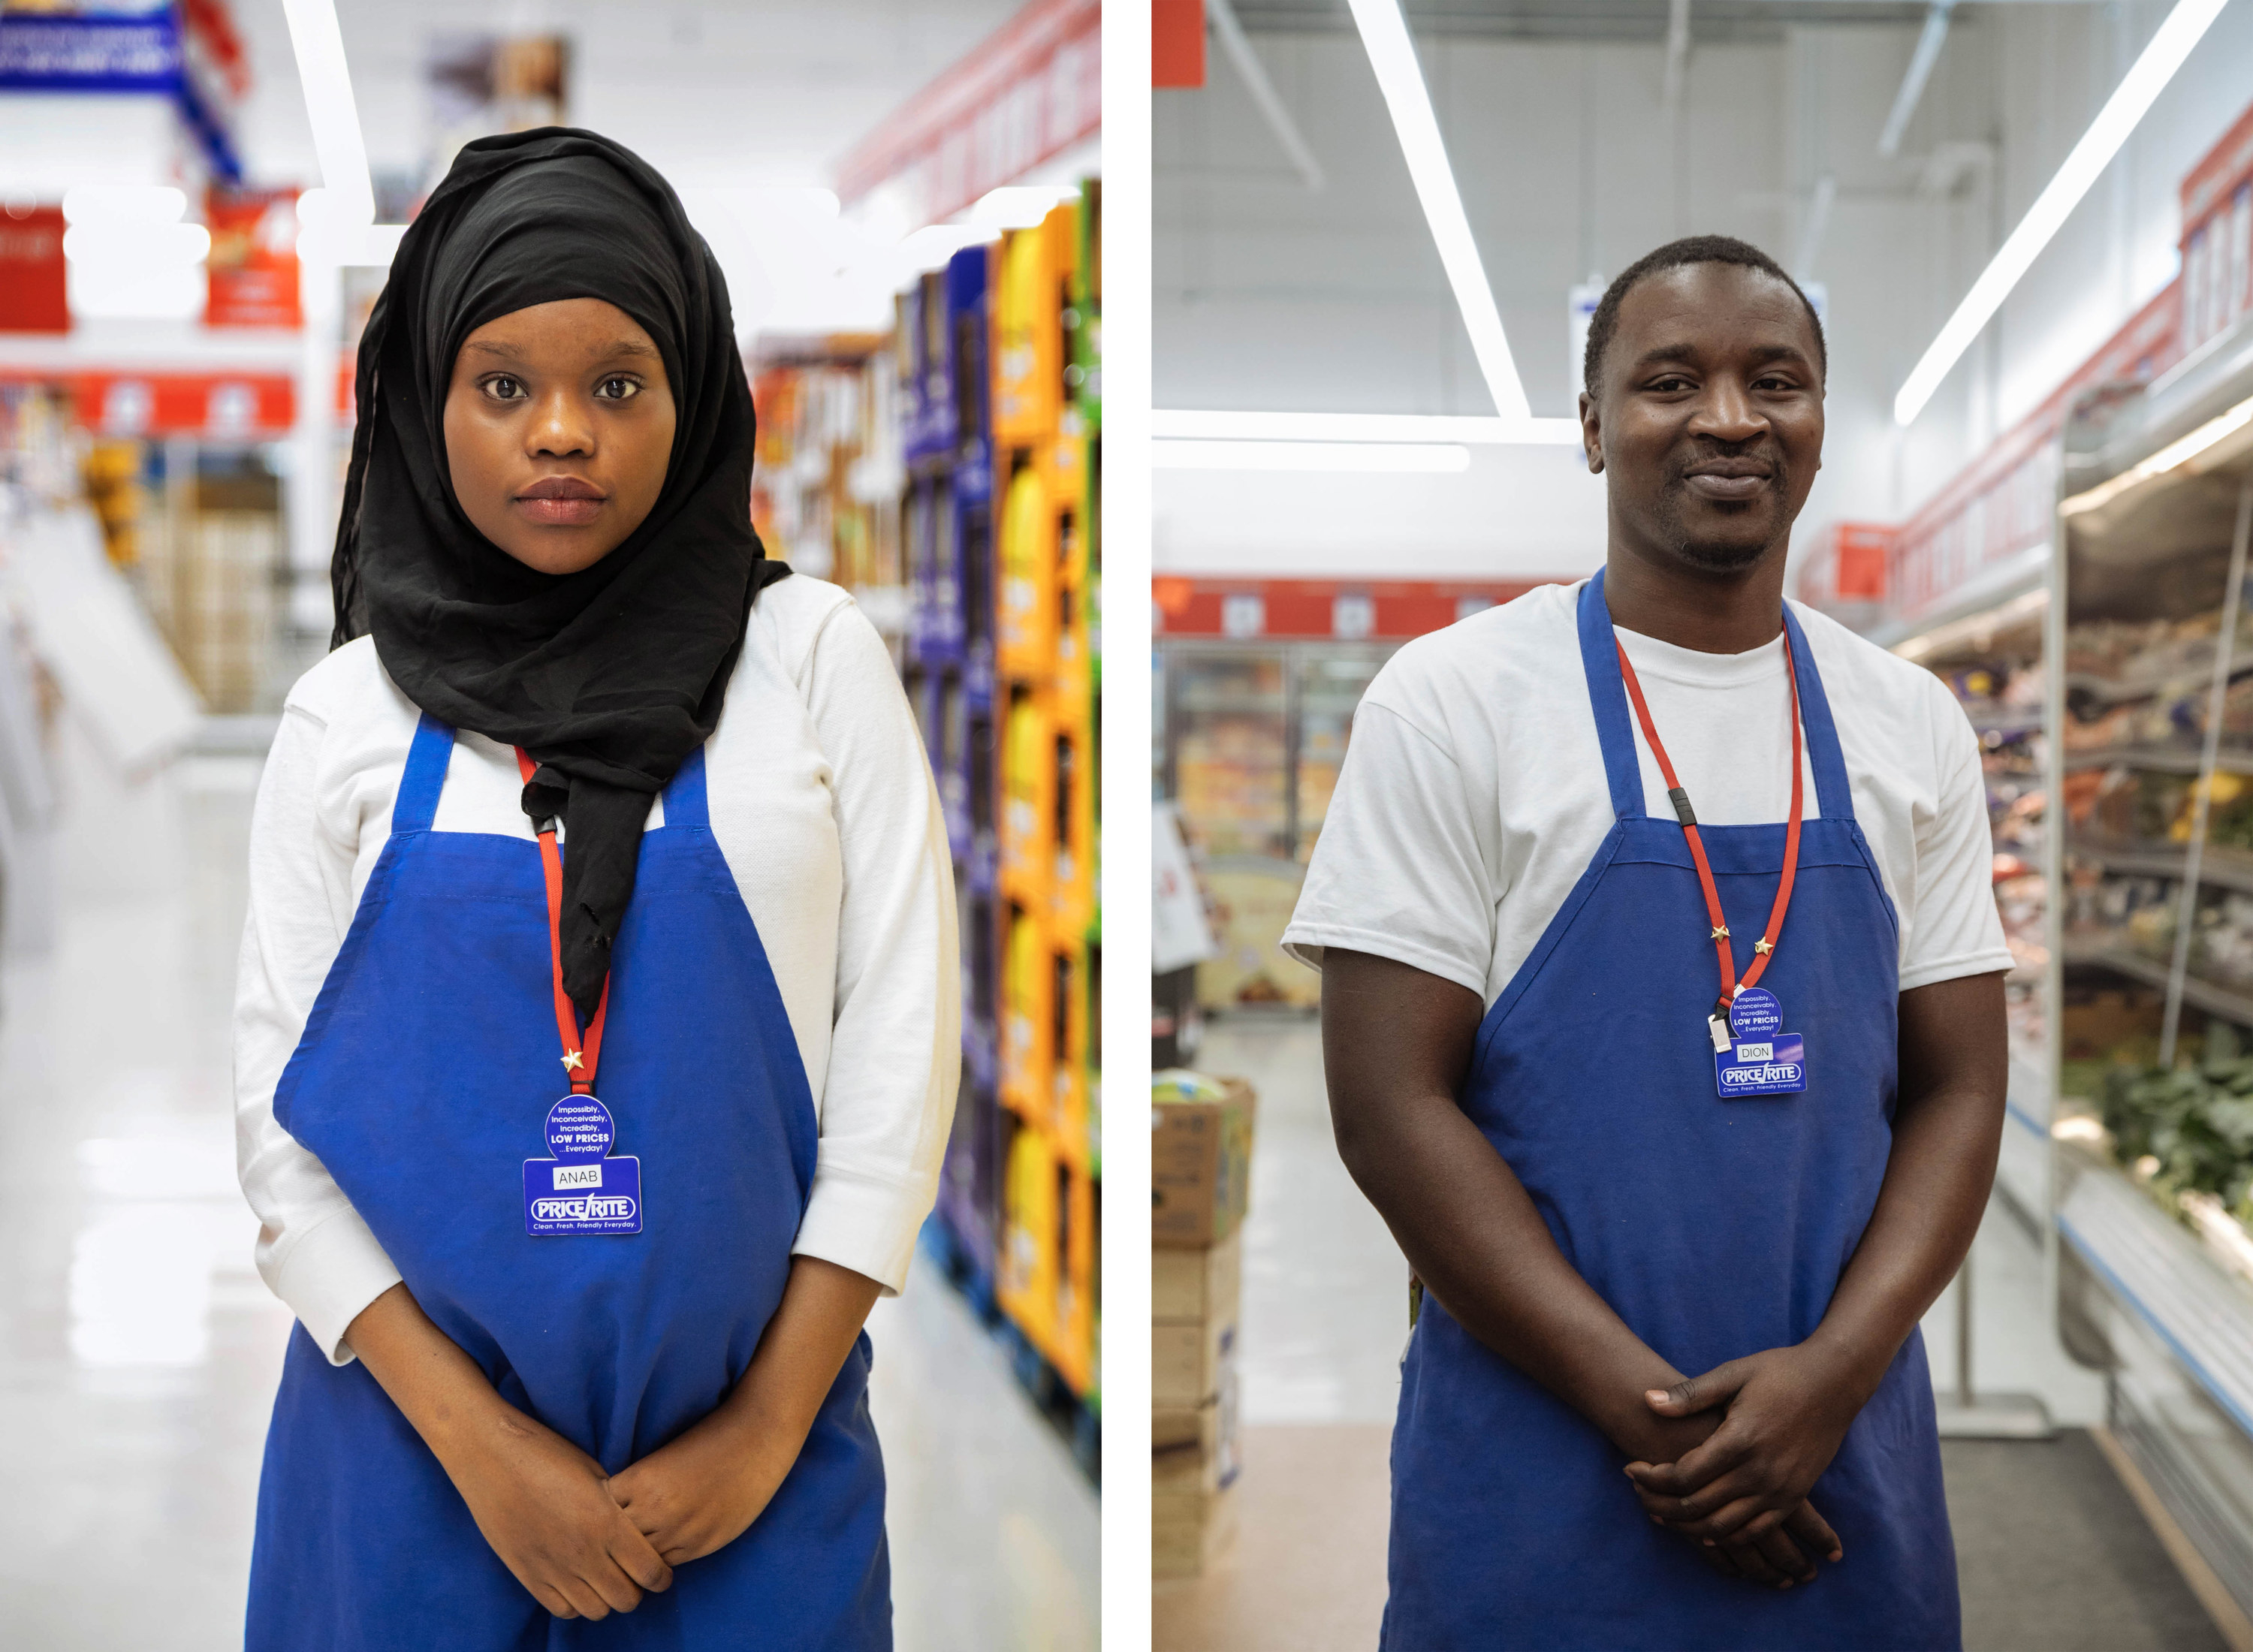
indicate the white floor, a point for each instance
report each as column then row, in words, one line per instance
column 139, row 1350
column 1326, row 1290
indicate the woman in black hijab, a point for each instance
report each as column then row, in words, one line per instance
column 582, row 761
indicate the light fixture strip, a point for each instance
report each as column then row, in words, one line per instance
column 319, row 45
column 1392, row 54
column 2177, row 453
column 1478, row 429
column 1430, row 458
column 2131, row 100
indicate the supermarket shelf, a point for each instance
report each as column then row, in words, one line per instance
column 2010, row 727
column 2159, row 1272
column 1079, row 1422
column 2201, row 994
column 1992, row 586
column 2224, row 867
column 2163, row 759
column 152, row 347
column 2117, row 691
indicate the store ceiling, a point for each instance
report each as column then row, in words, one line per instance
column 1711, row 22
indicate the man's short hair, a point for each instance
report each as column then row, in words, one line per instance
column 1691, row 249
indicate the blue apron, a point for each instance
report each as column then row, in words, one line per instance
column 1715, row 1229
column 427, row 1068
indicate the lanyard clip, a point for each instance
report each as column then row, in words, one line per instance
column 1717, row 1025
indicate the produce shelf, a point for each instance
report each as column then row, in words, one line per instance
column 2175, row 1331
column 2224, row 867
column 2215, row 1000
column 2162, row 759
column 2117, row 691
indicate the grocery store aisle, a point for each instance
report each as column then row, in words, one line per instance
column 139, row 1350
column 2054, row 1556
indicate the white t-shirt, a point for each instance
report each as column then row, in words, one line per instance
column 1473, row 794
column 822, row 805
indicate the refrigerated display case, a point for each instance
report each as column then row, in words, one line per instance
column 1251, row 738
column 2153, row 771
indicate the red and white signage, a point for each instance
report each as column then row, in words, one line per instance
column 217, row 407
column 253, row 265
column 1031, row 91
column 2217, row 239
column 1177, row 44
column 1311, row 610
column 34, row 289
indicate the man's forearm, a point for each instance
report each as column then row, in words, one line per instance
column 1395, row 1043
column 1475, row 1238
column 1947, row 1131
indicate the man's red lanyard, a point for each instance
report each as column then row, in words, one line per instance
column 1763, row 949
column 579, row 1057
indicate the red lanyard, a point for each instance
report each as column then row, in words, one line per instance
column 1763, row 949
column 579, row 1058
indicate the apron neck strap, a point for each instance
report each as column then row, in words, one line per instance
column 685, row 804
column 1608, row 698
column 424, row 778
column 1834, row 796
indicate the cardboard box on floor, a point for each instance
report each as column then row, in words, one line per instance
column 1191, row 1287
column 1200, row 1159
column 1196, row 1450
column 1190, row 1531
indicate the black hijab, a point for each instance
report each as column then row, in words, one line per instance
column 611, row 676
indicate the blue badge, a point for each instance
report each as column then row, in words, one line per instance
column 1755, row 1013
column 1761, row 1059
column 581, row 1189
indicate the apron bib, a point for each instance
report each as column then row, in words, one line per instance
column 427, row 1070
column 1715, row 1228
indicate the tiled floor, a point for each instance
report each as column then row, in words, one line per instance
column 139, row 1350
column 2054, row 1556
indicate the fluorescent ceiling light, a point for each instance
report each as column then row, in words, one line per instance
column 1309, row 456
column 123, row 204
column 142, row 246
column 319, row 45
column 2179, row 452
column 2137, row 89
column 1020, row 206
column 1364, row 427
column 1392, row 54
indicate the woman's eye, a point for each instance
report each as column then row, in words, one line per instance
column 617, row 390
column 501, row 388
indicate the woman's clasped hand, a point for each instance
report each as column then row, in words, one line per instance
column 586, row 1545
column 1775, row 1420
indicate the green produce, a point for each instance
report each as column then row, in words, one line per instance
column 2196, row 1121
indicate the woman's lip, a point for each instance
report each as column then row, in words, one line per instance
column 1726, row 487
column 560, row 513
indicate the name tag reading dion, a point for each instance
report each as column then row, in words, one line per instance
column 582, row 1188
column 1762, row 1060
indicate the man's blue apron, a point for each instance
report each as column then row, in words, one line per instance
column 1715, row 1229
column 427, row 1068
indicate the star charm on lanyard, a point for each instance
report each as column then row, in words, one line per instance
column 1720, row 934
column 1763, row 945
column 571, row 1062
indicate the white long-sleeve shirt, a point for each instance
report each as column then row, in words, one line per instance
column 822, row 805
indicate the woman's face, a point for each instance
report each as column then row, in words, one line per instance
column 559, row 427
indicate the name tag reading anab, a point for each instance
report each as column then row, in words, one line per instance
column 1762, row 1060
column 581, row 1189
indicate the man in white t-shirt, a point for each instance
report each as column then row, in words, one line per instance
column 1663, row 1017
